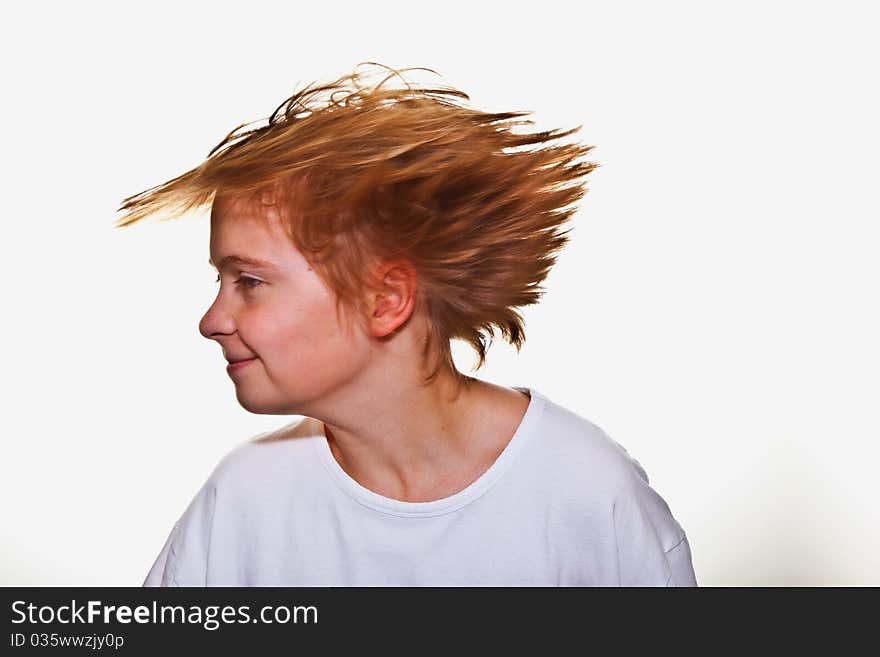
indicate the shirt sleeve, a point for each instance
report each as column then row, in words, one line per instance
column 183, row 560
column 681, row 565
column 161, row 574
column 652, row 547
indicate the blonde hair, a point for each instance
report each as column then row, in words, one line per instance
column 365, row 174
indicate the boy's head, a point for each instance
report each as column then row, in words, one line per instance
column 397, row 219
column 275, row 311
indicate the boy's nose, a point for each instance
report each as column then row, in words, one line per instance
column 216, row 322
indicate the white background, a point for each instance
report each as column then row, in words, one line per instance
column 716, row 311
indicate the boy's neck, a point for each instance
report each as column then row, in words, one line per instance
column 433, row 445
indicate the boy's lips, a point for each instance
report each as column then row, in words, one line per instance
column 238, row 364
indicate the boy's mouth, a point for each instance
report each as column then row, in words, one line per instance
column 238, row 364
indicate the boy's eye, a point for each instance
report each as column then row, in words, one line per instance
column 248, row 282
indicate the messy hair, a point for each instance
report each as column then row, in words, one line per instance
column 363, row 174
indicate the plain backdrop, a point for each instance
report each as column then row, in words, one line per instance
column 715, row 313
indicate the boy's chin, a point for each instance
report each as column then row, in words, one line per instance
column 254, row 404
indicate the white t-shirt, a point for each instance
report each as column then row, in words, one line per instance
column 563, row 505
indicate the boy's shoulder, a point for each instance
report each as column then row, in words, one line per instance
column 572, row 448
column 584, row 468
column 272, row 456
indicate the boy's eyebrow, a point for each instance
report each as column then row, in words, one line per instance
column 242, row 260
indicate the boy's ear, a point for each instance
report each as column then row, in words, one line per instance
column 392, row 300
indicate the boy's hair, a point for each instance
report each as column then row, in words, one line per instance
column 362, row 175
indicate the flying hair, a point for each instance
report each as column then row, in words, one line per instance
column 368, row 173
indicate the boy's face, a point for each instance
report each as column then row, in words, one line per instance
column 282, row 316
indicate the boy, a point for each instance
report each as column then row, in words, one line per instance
column 354, row 238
